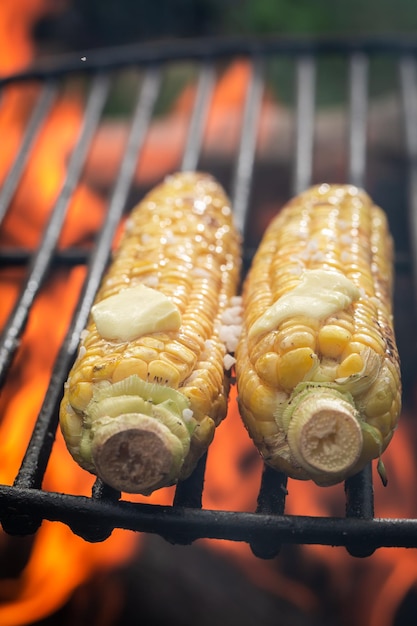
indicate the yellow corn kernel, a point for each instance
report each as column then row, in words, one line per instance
column 298, row 336
column 265, row 430
column 152, row 342
column 181, row 352
column 182, row 368
column 267, row 368
column 294, row 366
column 380, row 402
column 144, row 353
column 80, row 395
column 332, row 340
column 264, row 344
column 370, row 339
column 129, row 366
column 352, row 347
column 342, row 319
column 197, row 395
column 262, row 401
column 383, row 423
column 352, row 364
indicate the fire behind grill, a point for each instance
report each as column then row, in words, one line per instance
column 25, row 504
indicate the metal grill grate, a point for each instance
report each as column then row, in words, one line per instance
column 24, row 505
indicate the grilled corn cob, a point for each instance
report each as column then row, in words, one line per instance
column 317, row 367
column 149, row 385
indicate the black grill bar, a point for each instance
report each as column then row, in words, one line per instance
column 39, row 114
column 358, row 105
column 408, row 83
column 206, row 82
column 24, row 505
column 212, row 48
column 242, row 182
column 41, row 260
column 360, row 495
column 304, row 138
column 64, row 258
column 271, row 501
column 359, row 488
column 189, row 492
column 360, row 505
column 194, row 523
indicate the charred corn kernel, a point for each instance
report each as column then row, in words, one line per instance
column 332, row 340
column 147, row 390
column 371, row 339
column 163, row 373
column 104, row 369
column 317, row 359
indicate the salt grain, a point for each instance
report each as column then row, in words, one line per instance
column 84, row 335
column 187, row 415
column 228, row 361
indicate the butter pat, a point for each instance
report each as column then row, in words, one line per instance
column 321, row 293
column 134, row 312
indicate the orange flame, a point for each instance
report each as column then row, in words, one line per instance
column 17, row 49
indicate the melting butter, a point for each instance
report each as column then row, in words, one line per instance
column 320, row 294
column 134, row 312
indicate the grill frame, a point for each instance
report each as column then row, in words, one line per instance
column 25, row 504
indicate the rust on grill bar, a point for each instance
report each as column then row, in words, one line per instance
column 25, row 504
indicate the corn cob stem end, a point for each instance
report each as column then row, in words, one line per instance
column 324, row 433
column 135, row 453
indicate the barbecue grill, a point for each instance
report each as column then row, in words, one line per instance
column 24, row 505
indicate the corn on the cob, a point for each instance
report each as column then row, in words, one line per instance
column 317, row 367
column 149, row 385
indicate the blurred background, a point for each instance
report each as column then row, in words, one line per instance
column 76, row 26
column 81, row 25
